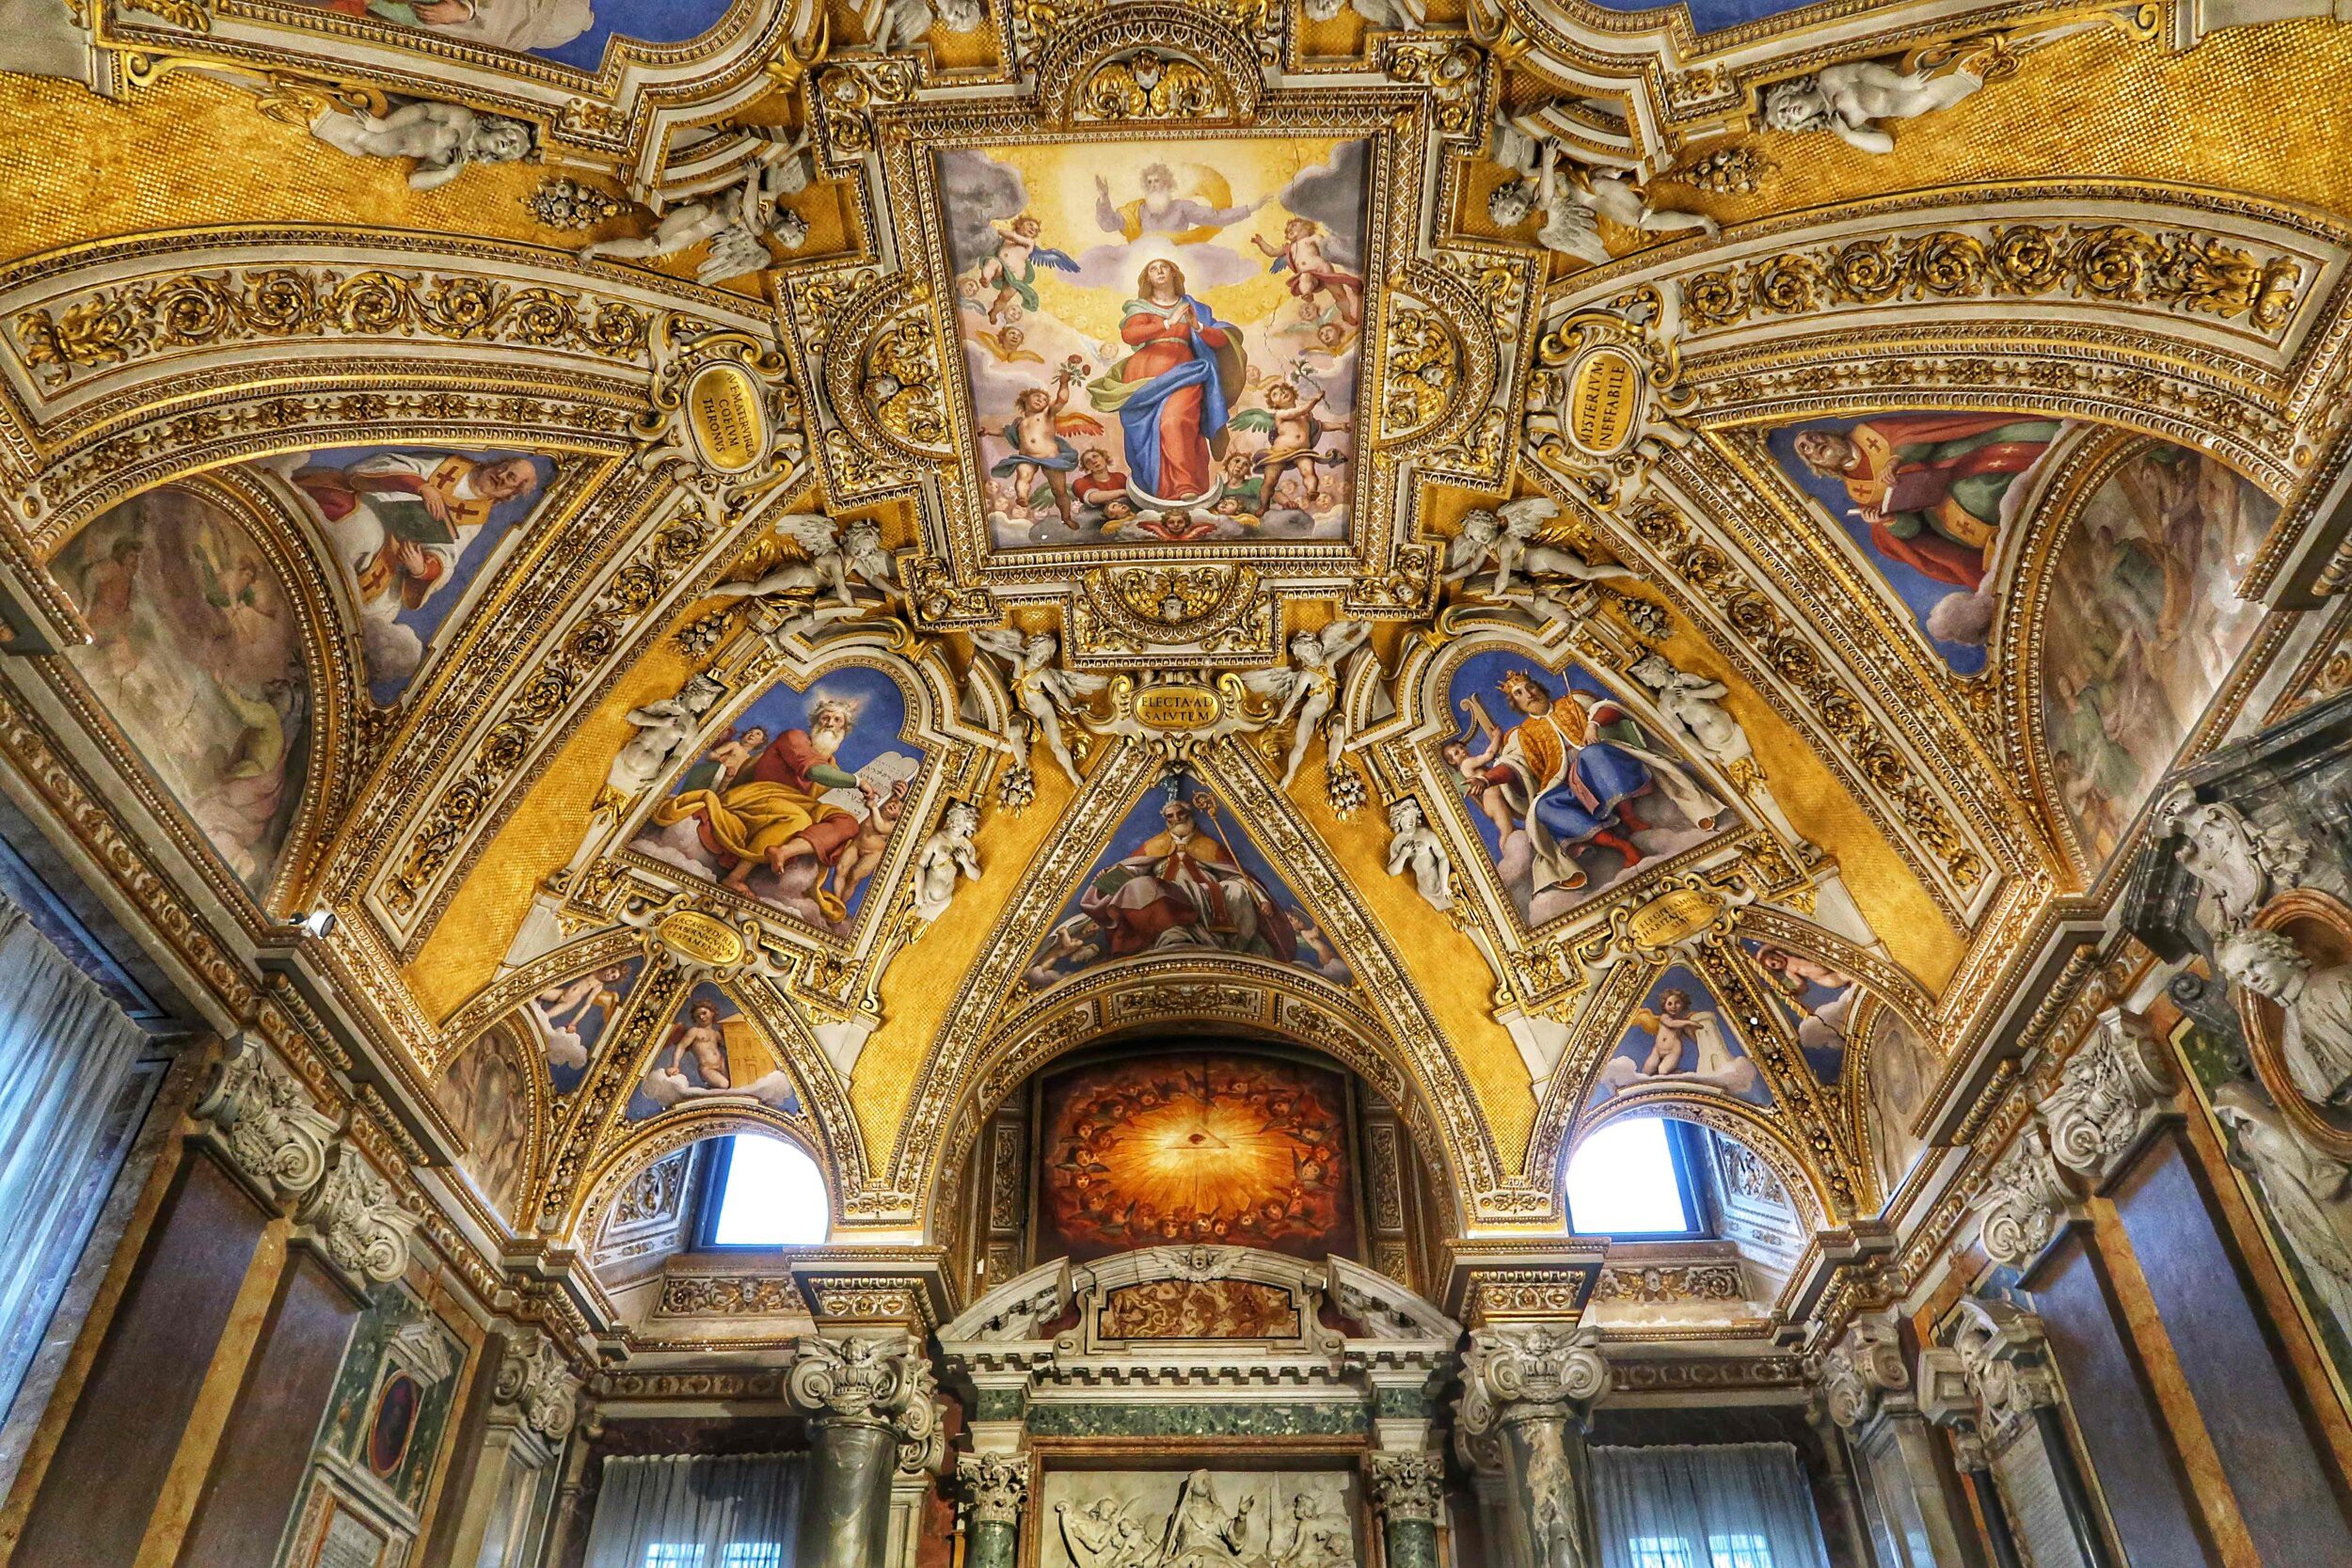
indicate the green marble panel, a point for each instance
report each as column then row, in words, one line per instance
column 1317, row 1420
column 998, row 1405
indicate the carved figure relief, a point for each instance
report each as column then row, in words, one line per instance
column 1201, row 1519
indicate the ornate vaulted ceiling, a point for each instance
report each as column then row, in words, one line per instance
column 786, row 566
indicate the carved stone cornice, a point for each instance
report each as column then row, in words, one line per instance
column 536, row 1390
column 1994, row 1373
column 359, row 1221
column 995, row 1487
column 1409, row 1488
column 261, row 1119
column 2109, row 1093
column 1866, row 1366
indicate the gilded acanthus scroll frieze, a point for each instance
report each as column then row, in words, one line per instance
column 2110, row 263
column 65, row 338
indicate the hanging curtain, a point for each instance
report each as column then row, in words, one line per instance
column 65, row 1052
column 1731, row 1505
column 684, row 1510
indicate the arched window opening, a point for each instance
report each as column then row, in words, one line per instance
column 1634, row 1177
column 765, row 1191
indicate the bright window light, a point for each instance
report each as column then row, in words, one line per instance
column 1625, row 1181
column 773, row 1197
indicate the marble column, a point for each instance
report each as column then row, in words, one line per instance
column 501, row 1512
column 1974, row 1462
column 1409, row 1489
column 995, row 1487
column 873, row 1417
column 1527, row 1394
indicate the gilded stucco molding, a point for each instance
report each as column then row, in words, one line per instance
column 621, row 116
column 962, row 1068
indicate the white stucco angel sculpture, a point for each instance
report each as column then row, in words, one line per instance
column 899, row 25
column 1412, row 846
column 1306, row 690
column 1512, row 536
column 1041, row 692
column 732, row 228
column 442, row 137
column 664, row 728
column 1572, row 198
column 1692, row 702
column 1397, row 16
column 944, row 856
column 1850, row 99
column 820, row 555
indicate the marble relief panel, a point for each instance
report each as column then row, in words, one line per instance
column 1135, row 1518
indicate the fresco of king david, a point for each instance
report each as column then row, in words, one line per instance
column 1167, row 356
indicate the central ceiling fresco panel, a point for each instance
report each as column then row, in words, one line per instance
column 1161, row 338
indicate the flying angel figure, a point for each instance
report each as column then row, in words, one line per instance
column 1004, row 345
column 1308, row 689
column 810, row 553
column 1012, row 268
column 1043, row 692
column 1514, row 534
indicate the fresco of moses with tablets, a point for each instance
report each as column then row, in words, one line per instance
column 1161, row 339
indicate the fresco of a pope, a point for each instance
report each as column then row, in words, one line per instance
column 1174, row 394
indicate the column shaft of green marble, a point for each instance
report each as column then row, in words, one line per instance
column 1413, row 1544
column 993, row 1543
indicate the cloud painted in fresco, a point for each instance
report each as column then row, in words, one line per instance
column 1332, row 194
column 977, row 188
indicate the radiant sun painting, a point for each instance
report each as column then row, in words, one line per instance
column 1161, row 338
column 1196, row 1148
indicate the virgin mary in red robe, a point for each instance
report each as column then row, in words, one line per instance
column 1174, row 394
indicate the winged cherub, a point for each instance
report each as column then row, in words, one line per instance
column 733, row 229
column 819, row 555
column 442, row 137
column 1528, row 146
column 1513, row 534
column 1309, row 688
column 1043, row 692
